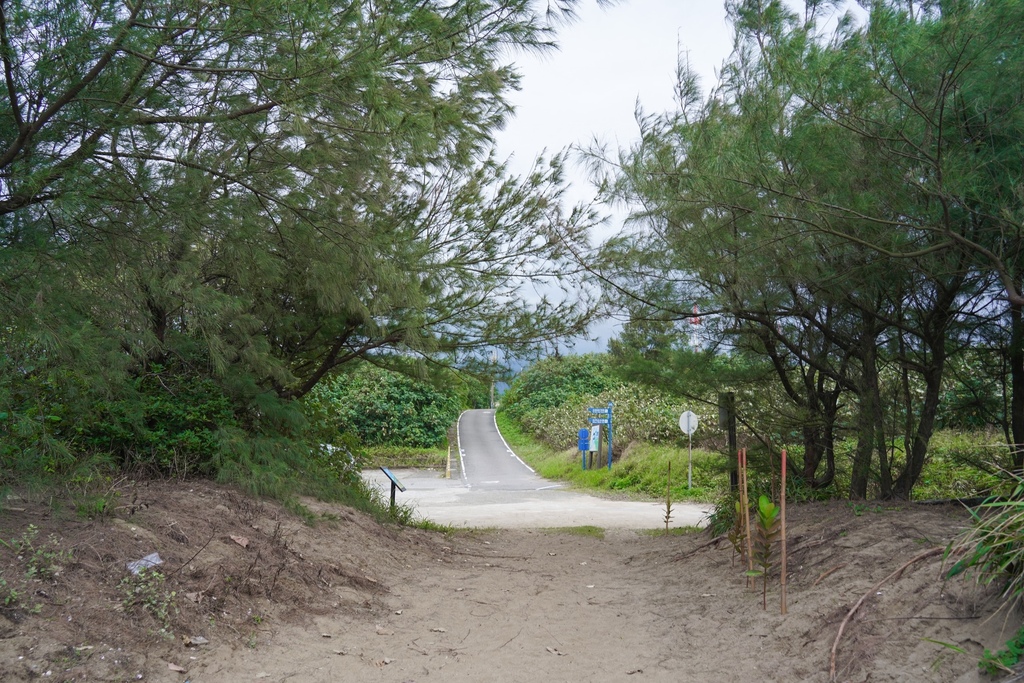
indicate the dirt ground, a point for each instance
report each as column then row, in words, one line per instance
column 254, row 593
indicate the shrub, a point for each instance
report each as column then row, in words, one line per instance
column 380, row 407
column 552, row 382
column 994, row 548
column 638, row 414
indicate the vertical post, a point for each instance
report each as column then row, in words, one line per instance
column 393, row 487
column 494, row 364
column 689, row 452
column 609, row 434
column 746, row 511
column 782, row 504
column 727, row 419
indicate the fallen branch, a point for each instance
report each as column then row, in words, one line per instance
column 713, row 541
column 827, row 574
column 191, row 558
column 874, row 589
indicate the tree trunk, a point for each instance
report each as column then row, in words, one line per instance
column 1016, row 361
column 868, row 413
column 925, row 426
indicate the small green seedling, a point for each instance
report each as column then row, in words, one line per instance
column 766, row 532
column 668, row 497
column 737, row 536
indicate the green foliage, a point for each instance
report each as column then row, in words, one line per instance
column 641, row 471
column 168, row 422
column 405, row 456
column 1003, row 661
column 767, row 529
column 640, row 414
column 380, row 407
column 10, row 597
column 210, row 209
column 147, row 591
column 782, row 206
column 552, row 382
column 964, row 465
column 585, row 530
column 737, row 532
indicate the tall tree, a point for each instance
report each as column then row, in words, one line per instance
column 832, row 199
column 259, row 192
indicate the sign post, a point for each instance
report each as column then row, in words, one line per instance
column 603, row 416
column 688, row 423
column 395, row 484
column 584, row 444
column 609, row 434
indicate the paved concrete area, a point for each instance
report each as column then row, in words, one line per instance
column 452, row 502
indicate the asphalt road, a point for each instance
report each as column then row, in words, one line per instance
column 487, row 462
column 491, row 487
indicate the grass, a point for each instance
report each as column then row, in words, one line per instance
column 587, row 530
column 404, row 456
column 673, row 531
column 641, row 473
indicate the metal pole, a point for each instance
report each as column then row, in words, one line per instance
column 393, row 487
column 689, row 474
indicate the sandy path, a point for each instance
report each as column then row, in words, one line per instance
column 519, row 605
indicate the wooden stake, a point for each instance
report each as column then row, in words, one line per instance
column 782, row 504
column 746, row 513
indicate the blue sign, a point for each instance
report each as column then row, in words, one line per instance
column 598, row 411
column 584, row 439
column 598, row 420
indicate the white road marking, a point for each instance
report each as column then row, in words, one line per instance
column 493, row 417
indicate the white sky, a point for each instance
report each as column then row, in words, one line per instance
column 608, row 60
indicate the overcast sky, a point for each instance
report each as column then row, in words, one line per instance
column 607, row 61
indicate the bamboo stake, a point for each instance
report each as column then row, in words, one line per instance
column 782, row 499
column 746, row 515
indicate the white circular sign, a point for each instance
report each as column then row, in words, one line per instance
column 688, row 422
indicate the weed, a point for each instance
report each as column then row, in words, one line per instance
column 668, row 497
column 722, row 516
column 860, row 508
column 147, row 590
column 737, row 533
column 1001, row 662
column 428, row 525
column 9, row 596
column 948, row 646
column 43, row 561
column 96, row 506
column 993, row 548
column 674, row 531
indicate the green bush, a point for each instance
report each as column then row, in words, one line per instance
column 385, row 408
column 552, row 382
column 993, row 549
column 639, row 414
column 168, row 422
